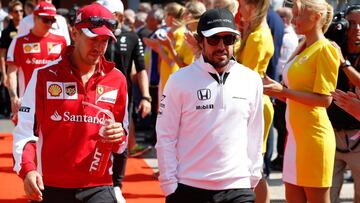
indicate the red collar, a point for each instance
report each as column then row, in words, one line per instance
column 103, row 66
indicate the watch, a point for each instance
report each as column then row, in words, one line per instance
column 345, row 64
column 147, row 99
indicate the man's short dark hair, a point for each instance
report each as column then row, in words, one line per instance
column 351, row 8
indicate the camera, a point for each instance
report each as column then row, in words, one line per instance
column 161, row 34
column 337, row 29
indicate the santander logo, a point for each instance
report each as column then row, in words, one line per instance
column 77, row 118
column 56, row 116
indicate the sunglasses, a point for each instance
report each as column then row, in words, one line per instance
column 227, row 40
column 94, row 22
column 18, row 11
column 48, row 20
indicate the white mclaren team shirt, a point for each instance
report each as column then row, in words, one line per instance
column 210, row 128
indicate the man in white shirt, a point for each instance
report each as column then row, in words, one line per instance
column 210, row 123
column 59, row 27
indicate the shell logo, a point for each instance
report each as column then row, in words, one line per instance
column 27, row 48
column 55, row 90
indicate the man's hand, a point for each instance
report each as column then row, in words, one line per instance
column 347, row 101
column 15, row 104
column 114, row 133
column 33, row 184
column 144, row 107
column 4, row 80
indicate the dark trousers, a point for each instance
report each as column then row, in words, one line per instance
column 119, row 165
column 280, row 125
column 188, row 194
column 101, row 194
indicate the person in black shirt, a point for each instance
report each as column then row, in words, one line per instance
column 17, row 12
column 347, row 128
column 127, row 49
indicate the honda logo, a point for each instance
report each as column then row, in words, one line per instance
column 204, row 94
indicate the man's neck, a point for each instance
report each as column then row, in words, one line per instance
column 353, row 49
column 77, row 62
column 39, row 32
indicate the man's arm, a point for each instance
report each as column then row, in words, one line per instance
column 167, row 128
column 142, row 77
column 255, row 135
column 24, row 147
column 4, row 79
column 12, row 87
column 145, row 102
column 353, row 75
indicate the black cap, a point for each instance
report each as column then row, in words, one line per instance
column 216, row 20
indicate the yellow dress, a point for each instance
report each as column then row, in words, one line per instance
column 310, row 146
column 256, row 55
column 184, row 52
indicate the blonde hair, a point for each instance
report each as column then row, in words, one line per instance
column 231, row 5
column 256, row 18
column 323, row 8
column 175, row 10
column 195, row 8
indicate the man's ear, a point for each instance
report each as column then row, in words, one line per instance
column 75, row 33
column 199, row 39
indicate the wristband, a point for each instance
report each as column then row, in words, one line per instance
column 147, row 99
column 345, row 64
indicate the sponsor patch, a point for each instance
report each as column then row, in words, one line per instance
column 106, row 94
column 30, row 48
column 54, row 48
column 62, row 90
column 70, row 90
column 24, row 109
column 54, row 90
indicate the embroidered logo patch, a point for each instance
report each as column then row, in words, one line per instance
column 54, row 90
column 30, row 48
column 70, row 90
column 106, row 94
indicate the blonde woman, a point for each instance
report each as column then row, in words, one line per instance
column 173, row 39
column 310, row 76
column 256, row 50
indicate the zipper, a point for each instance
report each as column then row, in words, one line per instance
column 221, row 83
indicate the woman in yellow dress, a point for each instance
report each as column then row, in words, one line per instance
column 255, row 52
column 310, row 76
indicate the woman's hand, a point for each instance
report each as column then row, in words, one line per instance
column 272, row 88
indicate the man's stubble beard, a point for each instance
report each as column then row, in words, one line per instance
column 217, row 65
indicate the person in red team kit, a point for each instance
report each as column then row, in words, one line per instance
column 33, row 50
column 73, row 114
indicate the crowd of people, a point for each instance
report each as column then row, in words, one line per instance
column 210, row 80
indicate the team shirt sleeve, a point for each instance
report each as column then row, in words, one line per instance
column 24, row 149
column 10, row 58
column 167, row 128
column 255, row 135
column 138, row 55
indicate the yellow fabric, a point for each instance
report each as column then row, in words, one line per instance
column 258, row 50
column 165, row 69
column 256, row 54
column 186, row 54
column 314, row 70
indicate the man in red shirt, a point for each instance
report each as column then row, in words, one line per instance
column 73, row 114
column 31, row 51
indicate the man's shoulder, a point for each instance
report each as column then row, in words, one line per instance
column 54, row 36
column 245, row 72
column 128, row 34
